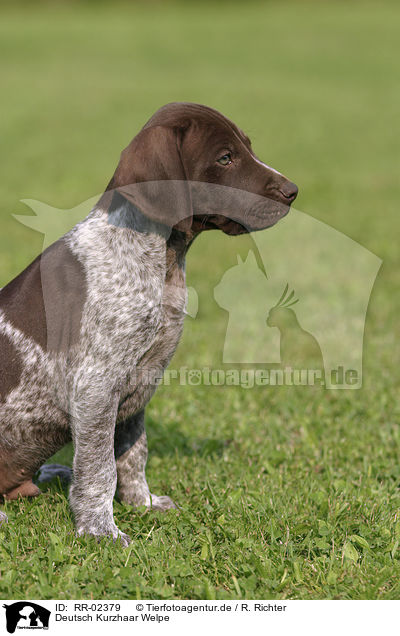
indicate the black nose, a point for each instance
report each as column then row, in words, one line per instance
column 289, row 190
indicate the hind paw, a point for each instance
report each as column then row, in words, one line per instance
column 27, row 489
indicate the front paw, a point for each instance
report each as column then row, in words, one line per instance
column 102, row 530
column 136, row 496
column 162, row 503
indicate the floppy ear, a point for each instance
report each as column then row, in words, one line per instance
column 151, row 175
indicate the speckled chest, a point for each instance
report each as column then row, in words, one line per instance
column 134, row 311
column 122, row 315
column 165, row 335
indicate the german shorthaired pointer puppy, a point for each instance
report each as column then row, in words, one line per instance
column 83, row 327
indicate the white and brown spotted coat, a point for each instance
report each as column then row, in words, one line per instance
column 82, row 325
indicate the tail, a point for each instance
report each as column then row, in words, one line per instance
column 47, row 472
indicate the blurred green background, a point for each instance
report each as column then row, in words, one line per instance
column 293, row 493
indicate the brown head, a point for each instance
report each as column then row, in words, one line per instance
column 193, row 169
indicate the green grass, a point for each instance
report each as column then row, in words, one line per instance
column 284, row 493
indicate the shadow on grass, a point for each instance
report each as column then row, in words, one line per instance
column 164, row 441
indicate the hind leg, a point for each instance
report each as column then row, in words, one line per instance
column 16, row 481
column 21, row 454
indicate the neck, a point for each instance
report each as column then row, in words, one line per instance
column 123, row 213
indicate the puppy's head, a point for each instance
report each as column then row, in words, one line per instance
column 193, row 169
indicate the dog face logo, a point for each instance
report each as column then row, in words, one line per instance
column 26, row 615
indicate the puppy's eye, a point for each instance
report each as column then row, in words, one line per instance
column 225, row 160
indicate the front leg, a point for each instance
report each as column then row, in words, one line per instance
column 131, row 454
column 94, row 469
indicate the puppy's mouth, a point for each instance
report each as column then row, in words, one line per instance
column 261, row 217
column 233, row 228
column 219, row 222
column 258, row 217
